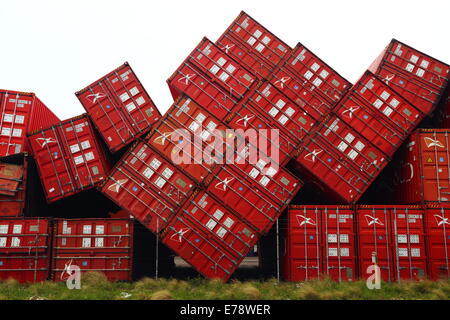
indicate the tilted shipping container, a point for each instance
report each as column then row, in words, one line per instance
column 253, row 46
column 148, row 186
column 249, row 200
column 69, row 157
column 21, row 113
column 378, row 113
column 247, row 117
column 340, row 160
column 119, row 107
column 212, row 79
column 419, row 78
column 210, row 237
column 292, row 121
column 183, row 134
column 314, row 71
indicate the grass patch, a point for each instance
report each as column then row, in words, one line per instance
column 94, row 286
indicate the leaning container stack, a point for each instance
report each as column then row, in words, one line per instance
column 212, row 175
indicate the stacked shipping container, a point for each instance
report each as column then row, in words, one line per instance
column 350, row 148
column 25, row 249
column 119, row 107
column 103, row 245
column 69, row 158
column 416, row 76
column 340, row 241
column 13, row 184
column 420, row 172
column 198, row 190
column 21, row 113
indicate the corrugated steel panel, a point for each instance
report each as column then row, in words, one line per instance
column 285, row 115
column 248, row 199
column 396, row 234
column 301, row 92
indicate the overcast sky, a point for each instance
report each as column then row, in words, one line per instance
column 54, row 48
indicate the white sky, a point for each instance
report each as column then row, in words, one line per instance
column 55, row 48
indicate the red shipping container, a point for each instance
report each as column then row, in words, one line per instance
column 314, row 71
column 148, row 186
column 375, row 235
column 210, row 237
column 414, row 75
column 396, row 234
column 320, row 240
column 211, row 78
column 250, row 59
column 302, row 92
column 303, row 243
column 14, row 205
column 25, row 249
column 438, row 240
column 338, row 229
column 266, row 178
column 253, row 46
column 68, row 157
column 285, row 115
column 249, row 200
column 247, row 117
column 11, row 176
column 408, row 239
column 103, row 245
column 340, row 160
column 210, row 216
column 378, row 113
column 203, row 250
column 260, row 46
column 21, row 113
column 119, row 107
column 168, row 138
column 421, row 170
